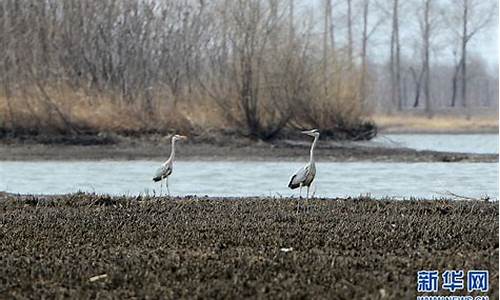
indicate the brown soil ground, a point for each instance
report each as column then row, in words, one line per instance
column 227, row 148
column 54, row 247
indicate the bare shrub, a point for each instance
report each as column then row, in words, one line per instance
column 331, row 100
column 150, row 66
column 263, row 76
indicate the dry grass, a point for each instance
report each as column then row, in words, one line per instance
column 63, row 110
column 29, row 112
column 440, row 123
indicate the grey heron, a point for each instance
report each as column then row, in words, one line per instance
column 167, row 167
column 305, row 175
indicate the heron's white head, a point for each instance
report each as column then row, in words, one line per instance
column 179, row 137
column 312, row 132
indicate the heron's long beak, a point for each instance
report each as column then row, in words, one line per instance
column 183, row 137
column 308, row 132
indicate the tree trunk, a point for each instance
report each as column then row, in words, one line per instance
column 291, row 20
column 364, row 45
column 426, row 66
column 392, row 59
column 464, row 54
column 398, row 71
column 325, row 44
column 418, row 83
column 331, row 26
column 454, row 84
column 349, row 32
column 396, row 59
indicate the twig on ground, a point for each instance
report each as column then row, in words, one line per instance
column 448, row 193
column 95, row 278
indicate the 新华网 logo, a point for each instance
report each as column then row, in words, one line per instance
column 429, row 281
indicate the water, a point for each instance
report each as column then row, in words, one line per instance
column 401, row 180
column 467, row 143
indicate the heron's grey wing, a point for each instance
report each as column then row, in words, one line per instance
column 162, row 172
column 298, row 177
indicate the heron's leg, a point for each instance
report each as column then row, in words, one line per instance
column 300, row 197
column 168, row 190
column 307, row 197
column 313, row 191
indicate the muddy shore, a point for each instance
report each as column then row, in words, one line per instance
column 88, row 246
column 226, row 149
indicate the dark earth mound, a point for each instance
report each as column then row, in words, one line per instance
column 54, row 247
column 158, row 148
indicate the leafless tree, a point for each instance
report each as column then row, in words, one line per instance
column 367, row 32
column 329, row 24
column 428, row 21
column 426, row 35
column 260, row 65
column 326, row 34
column 291, row 19
column 417, row 80
column 395, row 58
column 258, row 87
column 471, row 16
column 349, row 31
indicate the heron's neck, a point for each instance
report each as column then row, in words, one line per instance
column 172, row 151
column 311, row 159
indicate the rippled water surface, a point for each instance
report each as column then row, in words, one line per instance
column 252, row 178
column 470, row 143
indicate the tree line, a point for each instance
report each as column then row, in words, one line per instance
column 417, row 76
column 259, row 66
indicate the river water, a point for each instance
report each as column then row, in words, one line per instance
column 246, row 178
column 333, row 179
column 466, row 143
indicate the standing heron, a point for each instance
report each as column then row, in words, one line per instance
column 305, row 175
column 166, row 168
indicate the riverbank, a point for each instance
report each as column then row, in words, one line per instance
column 87, row 246
column 158, row 148
column 487, row 122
